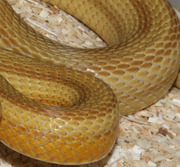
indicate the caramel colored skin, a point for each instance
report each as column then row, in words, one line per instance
column 61, row 104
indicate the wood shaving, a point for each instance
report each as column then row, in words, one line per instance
column 149, row 138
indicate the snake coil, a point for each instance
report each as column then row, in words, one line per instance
column 61, row 104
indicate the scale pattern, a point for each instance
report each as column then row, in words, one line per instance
column 61, row 104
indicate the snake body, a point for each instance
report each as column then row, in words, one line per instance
column 61, row 104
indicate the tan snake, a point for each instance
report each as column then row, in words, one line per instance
column 54, row 107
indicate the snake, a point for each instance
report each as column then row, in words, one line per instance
column 62, row 104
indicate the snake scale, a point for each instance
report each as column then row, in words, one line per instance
column 62, row 104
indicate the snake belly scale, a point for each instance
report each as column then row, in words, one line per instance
column 61, row 104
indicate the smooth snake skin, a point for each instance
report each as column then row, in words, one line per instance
column 61, row 104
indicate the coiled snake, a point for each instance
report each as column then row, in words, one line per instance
column 61, row 104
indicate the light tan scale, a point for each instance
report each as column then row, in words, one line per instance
column 61, row 104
